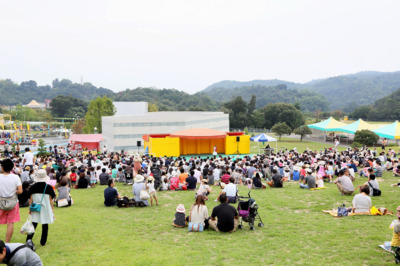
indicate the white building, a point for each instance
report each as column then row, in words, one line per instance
column 130, row 108
column 124, row 132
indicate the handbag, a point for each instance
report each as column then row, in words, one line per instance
column 192, row 227
column 7, row 204
column 28, row 228
column 37, row 207
column 144, row 195
column 375, row 191
column 62, row 203
column 342, row 211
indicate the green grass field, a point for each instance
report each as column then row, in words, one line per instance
column 295, row 232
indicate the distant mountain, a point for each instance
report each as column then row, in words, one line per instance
column 12, row 93
column 230, row 84
column 345, row 92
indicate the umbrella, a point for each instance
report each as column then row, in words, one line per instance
column 264, row 138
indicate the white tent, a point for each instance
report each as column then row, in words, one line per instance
column 264, row 138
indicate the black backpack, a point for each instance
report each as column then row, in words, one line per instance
column 122, row 203
column 375, row 191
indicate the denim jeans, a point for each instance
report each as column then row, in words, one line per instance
column 304, row 186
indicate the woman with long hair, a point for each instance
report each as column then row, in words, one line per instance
column 199, row 212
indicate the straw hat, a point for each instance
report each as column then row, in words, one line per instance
column 150, row 178
column 139, row 178
column 309, row 170
column 180, row 208
column 41, row 176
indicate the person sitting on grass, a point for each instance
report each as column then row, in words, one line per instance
column 372, row 183
column 227, row 216
column 111, row 194
column 191, row 181
column 137, row 187
column 257, row 181
column 104, row 177
column 230, row 191
column 395, row 243
column 199, row 212
column 204, row 189
column 64, row 192
column 83, row 182
column 277, row 180
column 180, row 216
column 396, row 170
column 344, row 184
column 18, row 254
column 361, row 201
column 309, row 180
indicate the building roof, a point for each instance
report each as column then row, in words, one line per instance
column 199, row 133
column 35, row 104
column 330, row 124
column 86, row 138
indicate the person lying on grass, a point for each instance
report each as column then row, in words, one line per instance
column 224, row 217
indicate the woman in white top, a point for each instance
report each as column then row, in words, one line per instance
column 199, row 212
column 362, row 202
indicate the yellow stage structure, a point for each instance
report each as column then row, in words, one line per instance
column 196, row 141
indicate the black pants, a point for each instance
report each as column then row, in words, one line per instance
column 45, row 230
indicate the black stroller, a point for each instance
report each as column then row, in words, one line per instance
column 247, row 209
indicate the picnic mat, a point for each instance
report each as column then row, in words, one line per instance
column 386, row 246
column 382, row 211
column 316, row 188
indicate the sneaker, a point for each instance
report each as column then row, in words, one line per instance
column 216, row 200
column 30, row 245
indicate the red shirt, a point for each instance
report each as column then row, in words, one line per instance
column 225, row 178
column 174, row 182
column 73, row 177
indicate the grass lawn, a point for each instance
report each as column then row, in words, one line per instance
column 295, row 231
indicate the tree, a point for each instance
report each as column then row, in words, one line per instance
column 78, row 126
column 302, row 131
column 252, row 105
column 68, row 106
column 153, row 107
column 101, row 106
column 282, row 112
column 366, row 137
column 281, row 129
column 238, row 112
column 42, row 149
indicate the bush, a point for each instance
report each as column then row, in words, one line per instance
column 356, row 145
column 366, row 137
column 302, row 131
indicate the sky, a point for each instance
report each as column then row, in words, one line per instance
column 191, row 44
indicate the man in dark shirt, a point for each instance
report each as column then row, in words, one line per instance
column 104, row 177
column 111, row 194
column 277, row 180
column 191, row 181
column 227, row 215
column 309, row 181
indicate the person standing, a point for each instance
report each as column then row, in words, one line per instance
column 29, row 159
column 10, row 186
column 337, row 143
column 384, row 142
column 43, row 194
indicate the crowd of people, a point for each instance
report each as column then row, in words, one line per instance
column 47, row 181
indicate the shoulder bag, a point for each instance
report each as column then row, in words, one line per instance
column 37, row 207
column 7, row 204
column 144, row 195
column 375, row 191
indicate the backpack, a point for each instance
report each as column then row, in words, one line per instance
column 375, row 191
column 122, row 203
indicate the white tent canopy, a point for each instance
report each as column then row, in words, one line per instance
column 264, row 138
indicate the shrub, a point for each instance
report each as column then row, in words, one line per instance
column 366, row 137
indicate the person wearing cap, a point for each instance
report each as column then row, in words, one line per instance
column 45, row 217
column 10, row 186
column 137, row 187
column 308, row 181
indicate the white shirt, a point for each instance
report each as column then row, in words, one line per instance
column 230, row 190
column 8, row 185
column 28, row 156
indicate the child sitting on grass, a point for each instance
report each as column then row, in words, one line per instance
column 180, row 216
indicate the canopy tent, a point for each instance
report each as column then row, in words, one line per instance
column 391, row 131
column 358, row 125
column 328, row 125
column 88, row 141
column 263, row 138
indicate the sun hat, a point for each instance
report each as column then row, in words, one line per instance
column 139, row 178
column 150, row 178
column 41, row 176
column 204, row 181
column 223, row 185
column 180, row 208
column 309, row 171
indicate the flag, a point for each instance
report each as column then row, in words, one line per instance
column 22, row 127
column 15, row 126
column 2, row 125
column 28, row 127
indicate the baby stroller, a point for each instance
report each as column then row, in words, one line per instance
column 247, row 209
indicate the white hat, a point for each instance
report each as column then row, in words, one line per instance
column 139, row 178
column 309, row 171
column 150, row 178
column 41, row 176
column 180, row 208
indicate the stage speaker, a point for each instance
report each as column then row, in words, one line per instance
column 139, row 143
column 237, row 139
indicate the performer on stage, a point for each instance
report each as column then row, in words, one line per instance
column 215, row 151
